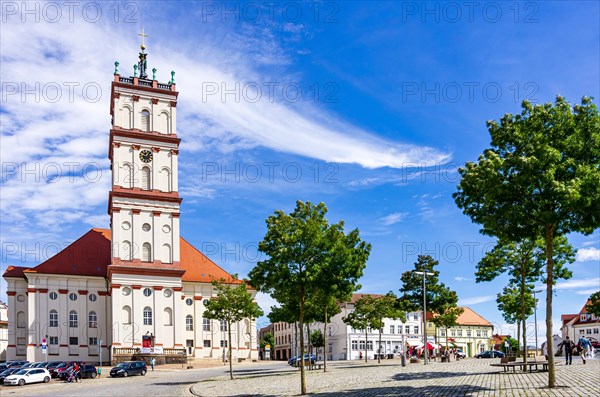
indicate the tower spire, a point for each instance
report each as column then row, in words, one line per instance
column 142, row 64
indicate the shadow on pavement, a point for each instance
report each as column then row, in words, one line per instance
column 431, row 375
column 192, row 382
column 425, row 391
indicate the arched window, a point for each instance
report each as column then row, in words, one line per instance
column 92, row 320
column 145, row 120
column 53, row 318
column 127, row 175
column 146, row 178
column 126, row 251
column 168, row 316
column 166, row 253
column 146, row 252
column 164, row 123
column 126, row 117
column 21, row 320
column 73, row 319
column 126, row 315
column 189, row 323
column 147, row 316
column 166, row 180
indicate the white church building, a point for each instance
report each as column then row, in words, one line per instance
column 138, row 287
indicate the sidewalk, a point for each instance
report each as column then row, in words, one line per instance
column 470, row 377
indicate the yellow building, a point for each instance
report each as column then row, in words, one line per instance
column 472, row 333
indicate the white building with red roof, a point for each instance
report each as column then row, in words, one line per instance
column 581, row 324
column 138, row 287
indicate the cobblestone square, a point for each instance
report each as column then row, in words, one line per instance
column 469, row 377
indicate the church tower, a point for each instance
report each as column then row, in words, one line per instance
column 145, row 273
column 144, row 200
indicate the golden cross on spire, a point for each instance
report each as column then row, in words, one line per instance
column 143, row 35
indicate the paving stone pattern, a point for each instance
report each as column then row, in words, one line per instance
column 470, row 377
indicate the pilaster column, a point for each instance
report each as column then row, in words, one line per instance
column 178, row 338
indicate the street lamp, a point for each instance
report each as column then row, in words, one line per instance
column 535, row 319
column 424, row 314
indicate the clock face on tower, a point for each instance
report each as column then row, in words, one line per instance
column 146, row 156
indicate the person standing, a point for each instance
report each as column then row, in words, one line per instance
column 585, row 345
column 76, row 371
column 152, row 362
column 567, row 345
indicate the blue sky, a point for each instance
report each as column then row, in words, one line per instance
column 369, row 107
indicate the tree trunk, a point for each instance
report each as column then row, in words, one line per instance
column 379, row 349
column 325, row 343
column 229, row 347
column 549, row 283
column 301, row 321
column 366, row 344
column 523, row 324
column 518, row 336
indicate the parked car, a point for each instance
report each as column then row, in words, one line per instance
column 60, row 368
column 29, row 375
column 85, row 371
column 16, row 364
column 128, row 368
column 490, row 354
column 460, row 353
column 298, row 359
column 53, row 364
column 7, row 372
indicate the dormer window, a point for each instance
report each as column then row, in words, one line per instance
column 583, row 317
column 145, row 121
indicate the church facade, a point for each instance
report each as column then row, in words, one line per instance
column 138, row 285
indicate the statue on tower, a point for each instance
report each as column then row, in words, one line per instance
column 142, row 64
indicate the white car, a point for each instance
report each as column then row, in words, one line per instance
column 28, row 375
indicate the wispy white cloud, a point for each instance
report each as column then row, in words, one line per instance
column 577, row 284
column 393, row 218
column 587, row 292
column 475, row 300
column 460, row 279
column 40, row 131
column 588, row 254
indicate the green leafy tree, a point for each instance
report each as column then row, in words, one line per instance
column 513, row 345
column 317, row 339
column 232, row 304
column 540, row 177
column 324, row 305
column 268, row 340
column 363, row 318
column 303, row 249
column 441, row 300
column 509, row 304
column 524, row 263
column 386, row 306
column 594, row 305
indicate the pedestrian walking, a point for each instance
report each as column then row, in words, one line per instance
column 568, row 346
column 585, row 347
column 152, row 362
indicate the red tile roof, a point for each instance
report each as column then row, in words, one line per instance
column 356, row 297
column 15, row 271
column 469, row 317
column 198, row 267
column 90, row 255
